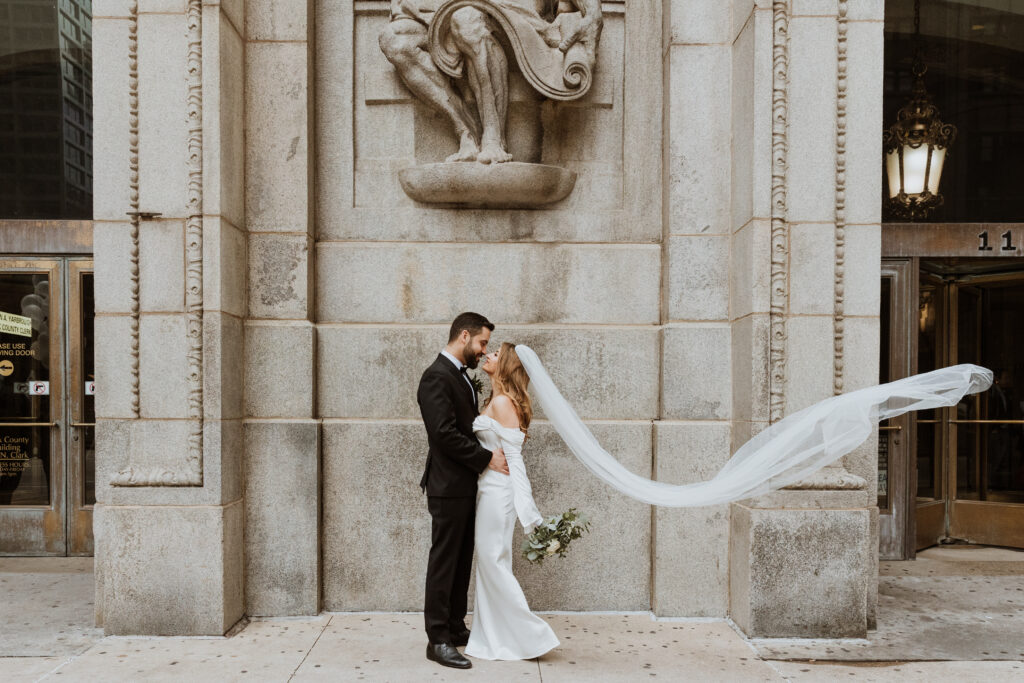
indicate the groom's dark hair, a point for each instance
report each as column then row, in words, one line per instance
column 471, row 322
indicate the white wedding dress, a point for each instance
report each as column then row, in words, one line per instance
column 503, row 625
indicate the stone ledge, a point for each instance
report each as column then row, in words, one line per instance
column 512, row 185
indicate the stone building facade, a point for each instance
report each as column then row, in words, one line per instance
column 267, row 297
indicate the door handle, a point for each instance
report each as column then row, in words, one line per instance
column 29, row 424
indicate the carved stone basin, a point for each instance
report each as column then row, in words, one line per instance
column 513, row 185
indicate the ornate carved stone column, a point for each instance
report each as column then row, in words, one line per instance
column 169, row 249
column 817, row 155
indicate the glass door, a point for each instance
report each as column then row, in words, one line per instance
column 986, row 431
column 32, row 493
column 80, row 408
column 966, row 472
column 926, row 426
column 47, row 416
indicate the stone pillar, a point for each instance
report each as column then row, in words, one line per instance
column 692, row 434
column 803, row 561
column 170, row 250
column 282, row 433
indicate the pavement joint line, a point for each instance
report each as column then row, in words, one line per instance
column 773, row 667
column 60, row 666
column 306, row 656
column 744, row 637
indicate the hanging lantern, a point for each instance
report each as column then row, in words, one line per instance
column 916, row 147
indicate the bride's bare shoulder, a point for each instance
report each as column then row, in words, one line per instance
column 504, row 411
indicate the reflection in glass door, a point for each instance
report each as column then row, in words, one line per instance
column 987, row 464
column 46, row 466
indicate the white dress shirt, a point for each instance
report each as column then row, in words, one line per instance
column 458, row 366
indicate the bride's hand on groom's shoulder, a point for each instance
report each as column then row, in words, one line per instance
column 498, row 462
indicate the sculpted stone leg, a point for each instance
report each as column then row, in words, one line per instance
column 487, row 73
column 403, row 42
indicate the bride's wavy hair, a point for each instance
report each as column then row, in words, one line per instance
column 510, row 378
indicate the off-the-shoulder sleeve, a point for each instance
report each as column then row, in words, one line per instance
column 522, row 493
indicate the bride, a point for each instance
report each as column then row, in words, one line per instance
column 503, row 625
column 783, row 453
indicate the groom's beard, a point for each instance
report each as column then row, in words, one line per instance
column 469, row 359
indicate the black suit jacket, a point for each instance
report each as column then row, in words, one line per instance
column 455, row 459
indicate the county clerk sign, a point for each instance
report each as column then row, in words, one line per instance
column 15, row 324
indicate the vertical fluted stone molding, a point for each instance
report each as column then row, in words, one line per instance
column 133, row 179
column 779, row 226
column 194, row 241
column 191, row 474
column 840, row 210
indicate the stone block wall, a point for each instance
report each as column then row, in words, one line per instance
column 715, row 268
column 579, row 282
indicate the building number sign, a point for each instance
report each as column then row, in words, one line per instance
column 1006, row 242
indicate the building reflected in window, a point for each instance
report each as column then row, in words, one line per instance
column 45, row 109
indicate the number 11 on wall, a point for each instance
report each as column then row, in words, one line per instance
column 1007, row 238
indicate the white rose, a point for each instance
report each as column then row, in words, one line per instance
column 553, row 546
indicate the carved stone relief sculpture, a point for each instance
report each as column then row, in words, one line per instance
column 453, row 55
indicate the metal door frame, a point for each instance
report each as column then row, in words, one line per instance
column 78, row 513
column 897, row 523
column 35, row 530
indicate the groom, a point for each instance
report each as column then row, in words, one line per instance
column 448, row 403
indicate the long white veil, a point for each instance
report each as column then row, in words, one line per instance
column 782, row 454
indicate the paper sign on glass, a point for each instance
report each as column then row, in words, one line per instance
column 15, row 324
column 39, row 388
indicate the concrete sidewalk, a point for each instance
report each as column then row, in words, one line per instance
column 389, row 647
column 46, row 633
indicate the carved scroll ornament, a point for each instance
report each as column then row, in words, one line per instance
column 557, row 58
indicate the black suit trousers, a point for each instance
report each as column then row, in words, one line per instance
column 448, row 566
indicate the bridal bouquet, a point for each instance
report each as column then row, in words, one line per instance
column 554, row 535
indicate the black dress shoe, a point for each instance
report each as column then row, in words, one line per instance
column 446, row 655
column 460, row 639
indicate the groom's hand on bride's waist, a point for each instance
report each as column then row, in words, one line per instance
column 498, row 463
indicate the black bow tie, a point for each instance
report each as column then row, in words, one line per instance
column 463, row 369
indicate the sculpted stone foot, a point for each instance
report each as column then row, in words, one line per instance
column 468, row 150
column 491, row 152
